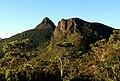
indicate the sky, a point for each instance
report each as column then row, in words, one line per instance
column 17, row 16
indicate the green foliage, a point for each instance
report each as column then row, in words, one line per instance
column 107, row 58
column 66, row 59
column 39, row 37
column 21, row 63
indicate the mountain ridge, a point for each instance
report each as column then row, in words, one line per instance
column 75, row 50
column 65, row 27
column 39, row 35
column 75, row 25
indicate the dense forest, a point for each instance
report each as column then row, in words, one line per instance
column 75, row 50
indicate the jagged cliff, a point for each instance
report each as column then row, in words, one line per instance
column 91, row 31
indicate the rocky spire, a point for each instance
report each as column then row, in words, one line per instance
column 46, row 24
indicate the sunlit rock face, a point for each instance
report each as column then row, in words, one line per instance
column 91, row 31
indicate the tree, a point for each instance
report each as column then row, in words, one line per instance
column 107, row 58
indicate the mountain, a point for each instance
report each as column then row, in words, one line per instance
column 90, row 32
column 46, row 31
column 40, row 35
column 94, row 31
column 75, row 50
column 0, row 38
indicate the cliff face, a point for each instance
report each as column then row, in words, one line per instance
column 67, row 27
column 91, row 31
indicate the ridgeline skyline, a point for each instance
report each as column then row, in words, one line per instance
column 19, row 16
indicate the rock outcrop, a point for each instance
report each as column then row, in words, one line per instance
column 91, row 31
column 66, row 27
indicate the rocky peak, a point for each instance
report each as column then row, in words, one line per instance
column 89, row 30
column 46, row 24
column 46, row 20
column 68, row 26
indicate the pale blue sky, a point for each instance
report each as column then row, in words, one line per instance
column 20, row 15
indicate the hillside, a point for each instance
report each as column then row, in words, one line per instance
column 75, row 50
column 39, row 36
column 79, row 33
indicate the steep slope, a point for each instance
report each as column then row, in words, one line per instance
column 70, row 47
column 40, row 36
column 75, row 35
column 90, row 31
